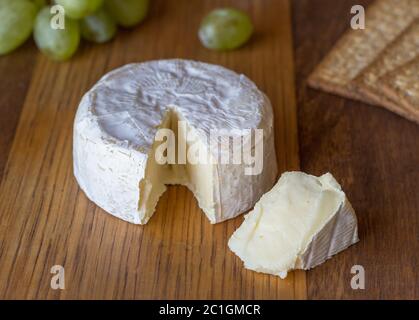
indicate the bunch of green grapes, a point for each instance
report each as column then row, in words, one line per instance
column 97, row 21
column 93, row 20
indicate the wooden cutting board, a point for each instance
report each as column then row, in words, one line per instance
column 46, row 220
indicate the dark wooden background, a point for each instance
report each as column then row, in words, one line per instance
column 373, row 153
column 375, row 156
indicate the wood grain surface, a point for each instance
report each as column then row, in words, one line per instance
column 46, row 220
column 16, row 70
column 373, row 153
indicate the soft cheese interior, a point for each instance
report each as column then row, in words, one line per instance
column 160, row 172
column 300, row 223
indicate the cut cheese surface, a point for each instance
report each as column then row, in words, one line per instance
column 199, row 178
column 116, row 138
column 300, row 223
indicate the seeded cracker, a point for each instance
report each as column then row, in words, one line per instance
column 402, row 85
column 385, row 21
column 401, row 51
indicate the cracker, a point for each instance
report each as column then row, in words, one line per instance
column 385, row 21
column 402, row 85
column 402, row 50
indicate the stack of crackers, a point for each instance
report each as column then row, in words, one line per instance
column 378, row 65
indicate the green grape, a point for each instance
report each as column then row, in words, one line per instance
column 77, row 9
column 225, row 29
column 16, row 23
column 58, row 44
column 98, row 27
column 128, row 13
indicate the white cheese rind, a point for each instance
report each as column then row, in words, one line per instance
column 118, row 118
column 299, row 224
column 338, row 234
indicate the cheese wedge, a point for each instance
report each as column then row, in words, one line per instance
column 300, row 223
